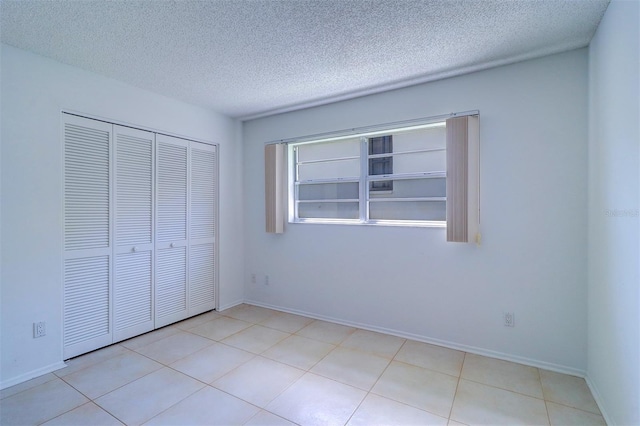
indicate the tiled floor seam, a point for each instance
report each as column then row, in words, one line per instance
column 546, row 405
column 503, row 389
column 574, row 408
column 219, row 341
column 267, row 411
column 321, row 359
column 455, row 393
column 380, row 376
column 357, row 408
column 428, row 369
column 29, row 388
column 112, row 390
column 163, row 365
column 163, row 411
column 195, row 378
column 106, row 393
column 62, row 370
column 408, row 405
column 68, row 411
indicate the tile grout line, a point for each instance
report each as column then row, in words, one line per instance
column 308, row 371
column 455, row 393
column 255, row 356
column 91, row 400
column 546, row 406
column 376, row 382
column 162, row 364
column 411, row 365
column 205, row 385
column 55, row 376
column 173, row 405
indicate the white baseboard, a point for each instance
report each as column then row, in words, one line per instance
column 426, row 339
column 32, row 374
column 58, row 365
column 596, row 395
column 229, row 305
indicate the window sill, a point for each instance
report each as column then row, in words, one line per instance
column 395, row 223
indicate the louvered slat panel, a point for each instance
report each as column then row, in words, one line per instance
column 86, row 304
column 132, row 290
column 171, row 282
column 86, row 187
column 171, row 192
column 203, row 195
column 201, row 275
column 134, row 189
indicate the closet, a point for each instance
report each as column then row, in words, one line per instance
column 139, row 231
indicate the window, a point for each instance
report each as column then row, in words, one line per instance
column 393, row 177
column 380, row 165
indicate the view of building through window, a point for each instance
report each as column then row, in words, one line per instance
column 393, row 177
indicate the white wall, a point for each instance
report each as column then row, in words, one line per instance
column 614, row 236
column 409, row 281
column 34, row 91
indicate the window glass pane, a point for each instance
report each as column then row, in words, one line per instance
column 328, row 150
column 381, row 144
column 328, row 210
column 411, row 188
column 431, row 138
column 329, row 191
column 408, row 210
column 435, row 161
column 396, row 152
column 329, row 170
column 381, row 165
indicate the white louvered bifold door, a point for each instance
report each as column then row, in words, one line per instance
column 87, row 235
column 171, row 229
column 133, row 272
column 202, row 227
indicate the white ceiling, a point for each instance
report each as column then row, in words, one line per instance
column 247, row 58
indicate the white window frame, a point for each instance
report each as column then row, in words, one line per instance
column 363, row 179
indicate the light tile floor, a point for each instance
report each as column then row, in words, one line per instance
column 254, row 366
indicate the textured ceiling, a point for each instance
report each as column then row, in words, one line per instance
column 246, row 58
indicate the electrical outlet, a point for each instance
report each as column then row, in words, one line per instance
column 253, row 278
column 509, row 319
column 39, row 329
column 266, row 280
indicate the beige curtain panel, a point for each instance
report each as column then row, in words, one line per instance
column 463, row 189
column 275, row 188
